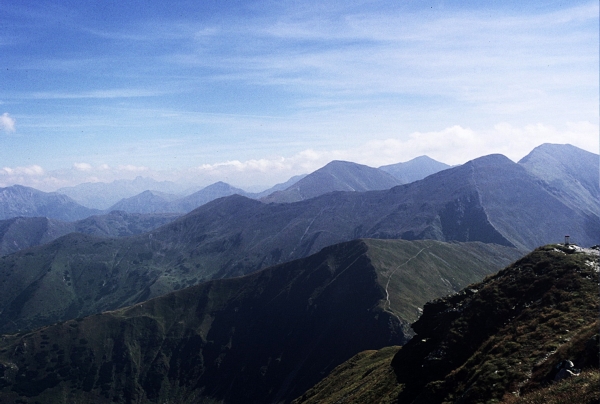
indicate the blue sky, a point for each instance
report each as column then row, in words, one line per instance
column 253, row 92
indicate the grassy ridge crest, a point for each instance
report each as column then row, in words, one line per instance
column 496, row 341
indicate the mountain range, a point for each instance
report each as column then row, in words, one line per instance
column 264, row 337
column 490, row 200
column 158, row 202
column 144, row 195
column 101, row 195
column 27, row 232
column 335, row 176
column 246, row 300
column 23, row 232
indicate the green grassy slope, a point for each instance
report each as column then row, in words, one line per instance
column 265, row 337
column 366, row 378
column 496, row 341
column 79, row 275
column 413, row 271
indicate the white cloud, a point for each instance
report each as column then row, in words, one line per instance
column 33, row 170
column 7, row 123
column 82, row 166
column 456, row 144
column 452, row 145
column 32, row 176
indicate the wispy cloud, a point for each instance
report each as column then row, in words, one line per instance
column 98, row 94
column 7, row 123
column 33, row 176
column 465, row 143
column 33, row 170
column 283, row 87
column 133, row 168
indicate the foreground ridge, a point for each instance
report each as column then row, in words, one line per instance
column 496, row 341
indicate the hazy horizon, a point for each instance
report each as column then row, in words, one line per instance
column 254, row 92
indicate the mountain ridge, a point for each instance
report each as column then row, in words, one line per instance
column 24, row 232
column 232, row 236
column 18, row 200
column 335, row 176
column 101, row 195
column 415, row 169
column 264, row 337
column 501, row 340
column 565, row 170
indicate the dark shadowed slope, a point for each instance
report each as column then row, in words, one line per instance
column 106, row 274
column 415, row 169
column 335, row 176
column 493, row 341
column 262, row 338
column 18, row 200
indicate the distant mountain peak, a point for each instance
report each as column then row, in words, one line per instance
column 415, row 169
column 337, row 175
column 221, row 185
column 567, row 168
column 494, row 158
column 18, row 200
column 334, row 163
